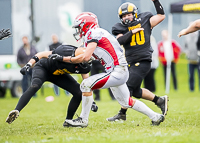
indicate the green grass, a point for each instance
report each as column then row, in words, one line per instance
column 41, row 121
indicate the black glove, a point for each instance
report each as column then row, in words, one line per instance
column 94, row 107
column 5, row 34
column 25, row 69
column 56, row 57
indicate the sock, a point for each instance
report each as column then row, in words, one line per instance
column 123, row 111
column 155, row 99
column 86, row 106
column 142, row 108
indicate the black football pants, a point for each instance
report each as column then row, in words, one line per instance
column 65, row 81
column 137, row 72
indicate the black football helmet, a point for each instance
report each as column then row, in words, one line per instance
column 126, row 8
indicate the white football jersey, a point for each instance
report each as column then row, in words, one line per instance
column 108, row 51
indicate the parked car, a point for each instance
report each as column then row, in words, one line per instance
column 10, row 76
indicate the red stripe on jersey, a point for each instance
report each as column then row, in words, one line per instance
column 105, row 44
column 100, row 83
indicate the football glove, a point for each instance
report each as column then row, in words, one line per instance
column 56, row 57
column 5, row 34
column 25, row 69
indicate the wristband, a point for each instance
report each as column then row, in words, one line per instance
column 159, row 8
column 29, row 64
column 35, row 58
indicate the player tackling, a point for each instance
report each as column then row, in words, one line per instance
column 104, row 47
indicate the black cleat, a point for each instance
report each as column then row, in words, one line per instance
column 162, row 103
column 119, row 116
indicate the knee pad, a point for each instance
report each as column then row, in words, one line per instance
column 85, row 85
column 136, row 93
column 36, row 83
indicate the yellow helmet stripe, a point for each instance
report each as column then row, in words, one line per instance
column 130, row 8
column 120, row 11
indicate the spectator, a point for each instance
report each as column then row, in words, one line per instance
column 191, row 52
column 149, row 81
column 55, row 43
column 25, row 53
column 169, row 52
column 194, row 26
column 198, row 49
column 97, row 68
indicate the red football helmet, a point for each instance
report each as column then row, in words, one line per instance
column 84, row 22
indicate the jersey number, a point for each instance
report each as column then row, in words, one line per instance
column 137, row 38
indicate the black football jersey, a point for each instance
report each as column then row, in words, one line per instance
column 139, row 47
column 59, row 68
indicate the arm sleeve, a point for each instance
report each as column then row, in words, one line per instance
column 125, row 38
column 158, row 6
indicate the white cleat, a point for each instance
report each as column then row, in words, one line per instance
column 160, row 118
column 79, row 122
column 12, row 116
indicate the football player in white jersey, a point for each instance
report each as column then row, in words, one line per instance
column 102, row 46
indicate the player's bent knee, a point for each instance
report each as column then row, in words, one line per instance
column 36, row 83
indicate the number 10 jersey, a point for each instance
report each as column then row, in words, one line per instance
column 139, row 47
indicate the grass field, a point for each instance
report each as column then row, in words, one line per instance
column 41, row 121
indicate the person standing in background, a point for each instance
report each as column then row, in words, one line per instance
column 55, row 43
column 25, row 53
column 169, row 52
column 198, row 49
column 192, row 56
column 149, row 80
column 194, row 26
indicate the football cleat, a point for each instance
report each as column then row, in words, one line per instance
column 12, row 116
column 79, row 122
column 157, row 122
column 119, row 116
column 65, row 124
column 162, row 103
column 94, row 107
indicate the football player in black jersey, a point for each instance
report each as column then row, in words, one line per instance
column 138, row 51
column 47, row 69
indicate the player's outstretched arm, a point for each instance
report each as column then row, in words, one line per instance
column 191, row 28
column 5, row 34
column 156, row 19
column 34, row 60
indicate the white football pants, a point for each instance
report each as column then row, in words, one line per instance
column 116, row 80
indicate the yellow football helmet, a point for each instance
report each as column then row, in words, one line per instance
column 126, row 8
